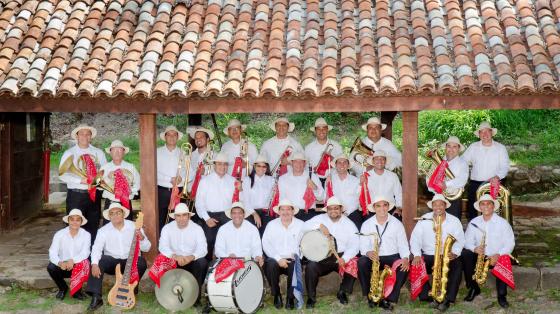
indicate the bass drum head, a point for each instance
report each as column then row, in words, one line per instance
column 172, row 282
column 248, row 287
column 314, row 246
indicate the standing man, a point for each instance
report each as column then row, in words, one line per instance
column 214, row 197
column 322, row 150
column 81, row 194
column 170, row 169
column 498, row 244
column 345, row 187
column 278, row 148
column 201, row 152
column 232, row 148
column 489, row 160
column 374, row 141
column 381, row 181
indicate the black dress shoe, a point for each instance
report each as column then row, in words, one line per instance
column 310, row 303
column 473, row 292
column 96, row 302
column 207, row 309
column 61, row 294
column 341, row 296
column 290, row 303
column 502, row 301
column 278, row 301
column 79, row 295
column 386, row 305
column 442, row 307
column 434, row 304
column 370, row 303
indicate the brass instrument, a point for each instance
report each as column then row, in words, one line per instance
column 277, row 165
column 69, row 167
column 326, row 151
column 449, row 193
column 186, row 149
column 377, row 281
column 359, row 149
column 482, row 265
column 244, row 153
column 504, row 198
column 440, row 270
column 208, row 157
column 109, row 183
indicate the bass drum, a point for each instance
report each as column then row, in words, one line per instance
column 241, row 292
column 315, row 246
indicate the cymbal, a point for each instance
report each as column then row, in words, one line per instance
column 178, row 290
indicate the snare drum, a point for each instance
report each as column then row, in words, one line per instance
column 241, row 292
column 315, row 245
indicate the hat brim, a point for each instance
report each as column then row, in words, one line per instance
column 243, row 128
column 228, row 212
column 126, row 212
column 126, row 149
column 364, row 126
column 387, row 160
column 326, row 207
column 84, row 220
column 276, row 209
column 461, row 146
column 291, row 126
column 74, row 134
column 447, row 203
column 179, row 135
column 370, row 207
column 193, row 131
column 494, row 132
column 172, row 214
column 312, row 129
column 477, row 205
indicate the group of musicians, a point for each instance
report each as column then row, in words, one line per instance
column 242, row 203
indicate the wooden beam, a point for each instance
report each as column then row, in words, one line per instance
column 148, row 176
column 410, row 169
column 387, row 117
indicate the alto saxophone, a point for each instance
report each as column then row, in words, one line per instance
column 482, row 265
column 440, row 269
column 377, row 281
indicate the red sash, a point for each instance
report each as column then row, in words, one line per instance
column 365, row 198
column 391, row 280
column 350, row 268
column 122, row 189
column 283, row 169
column 418, row 277
column 438, row 177
column 80, row 274
column 323, row 166
column 91, row 173
column 197, row 177
column 330, row 189
column 309, row 198
column 503, row 271
column 275, row 201
column 237, row 167
column 226, row 267
column 494, row 189
column 161, row 265
column 134, row 277
column 235, row 197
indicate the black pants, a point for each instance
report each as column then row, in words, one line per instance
column 107, row 203
column 357, row 218
column 314, row 270
column 364, row 275
column 305, row 216
column 456, row 208
column 265, row 219
column 471, row 211
column 469, row 264
column 164, row 195
column 58, row 275
column 91, row 210
column 453, row 278
column 107, row 265
column 198, row 268
column 273, row 271
column 211, row 233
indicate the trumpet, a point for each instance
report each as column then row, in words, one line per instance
column 274, row 169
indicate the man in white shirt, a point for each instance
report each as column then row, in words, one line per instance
column 321, row 151
column 170, row 170
column 489, row 160
column 392, row 247
column 300, row 186
column 381, row 181
column 81, row 194
column 239, row 238
column 345, row 187
column 278, row 148
column 214, row 198
column 460, row 169
column 69, row 247
column 499, row 241
column 117, row 150
column 111, row 248
column 333, row 224
column 422, row 245
column 233, row 147
column 280, row 243
column 374, row 141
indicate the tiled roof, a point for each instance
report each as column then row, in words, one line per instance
column 297, row 48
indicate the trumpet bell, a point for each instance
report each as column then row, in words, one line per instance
column 69, row 167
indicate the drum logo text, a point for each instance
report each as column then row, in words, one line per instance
column 244, row 274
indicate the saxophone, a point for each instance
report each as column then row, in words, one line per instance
column 377, row 281
column 482, row 265
column 440, row 269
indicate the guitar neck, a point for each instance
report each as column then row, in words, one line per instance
column 128, row 267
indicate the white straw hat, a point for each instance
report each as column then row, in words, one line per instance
column 285, row 202
column 454, row 140
column 485, row 125
column 380, row 198
column 339, row 157
column 333, row 201
column 220, row 157
column 192, row 131
column 438, row 197
column 261, row 159
column 378, row 153
column 125, row 210
column 74, row 134
column 170, row 128
column 374, row 120
column 486, row 197
column 297, row 156
column 320, row 122
column 75, row 212
column 181, row 208
column 234, row 122
column 117, row 144
column 238, row 205
column 291, row 126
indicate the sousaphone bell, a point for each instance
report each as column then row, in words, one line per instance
column 178, row 290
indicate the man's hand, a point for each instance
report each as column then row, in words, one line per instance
column 257, row 219
column 259, row 260
column 69, row 264
column 84, row 181
column 341, row 262
column 311, row 185
column 211, row 222
column 362, row 179
column 479, row 249
column 62, row 265
column 372, row 255
column 238, row 185
column 494, row 259
column 452, row 256
column 494, row 179
column 189, row 259
column 397, row 212
column 405, row 266
column 283, row 263
column 324, row 230
column 232, row 255
column 179, row 179
column 95, row 271
column 417, row 260
column 284, row 160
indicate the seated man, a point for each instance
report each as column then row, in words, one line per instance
column 492, row 236
column 280, row 243
column 182, row 244
column 68, row 255
column 333, row 224
column 392, row 250
column 111, row 248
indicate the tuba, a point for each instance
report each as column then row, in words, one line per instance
column 504, row 198
column 360, row 150
column 482, row 265
column 440, row 269
column 377, row 281
column 449, row 193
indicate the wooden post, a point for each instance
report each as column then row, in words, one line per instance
column 387, row 117
column 410, row 169
column 148, row 182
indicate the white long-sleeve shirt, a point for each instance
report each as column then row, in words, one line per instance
column 282, row 242
column 395, row 157
column 293, row 188
column 116, row 243
column 487, row 161
column 386, row 184
column 233, row 150
column 167, row 162
column 110, row 166
column 460, row 169
column 344, row 231
column 65, row 247
column 214, row 194
column 244, row 241
column 183, row 242
column 257, row 196
column 423, row 238
column 393, row 237
column 314, row 151
column 347, row 191
column 73, row 181
column 499, row 235
column 273, row 148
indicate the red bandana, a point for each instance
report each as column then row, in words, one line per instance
column 122, row 189
column 418, row 277
column 237, row 168
column 226, row 267
column 323, row 165
column 197, row 177
column 161, row 265
column 494, row 188
column 80, row 274
column 350, row 268
column 503, row 271
column 438, row 177
column 91, row 173
column 134, row 277
column 365, row 198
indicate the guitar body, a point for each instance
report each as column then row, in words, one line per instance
column 122, row 295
